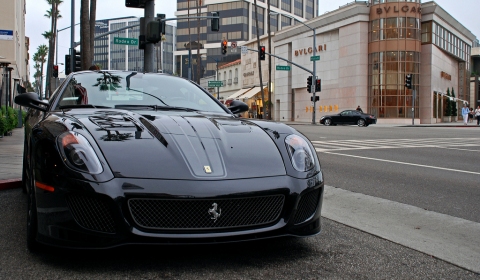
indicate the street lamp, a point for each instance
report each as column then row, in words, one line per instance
column 314, row 72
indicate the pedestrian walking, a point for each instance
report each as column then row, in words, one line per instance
column 470, row 115
column 465, row 112
column 477, row 115
column 359, row 109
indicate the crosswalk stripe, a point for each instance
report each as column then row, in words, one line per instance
column 348, row 145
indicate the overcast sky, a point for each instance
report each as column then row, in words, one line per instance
column 465, row 11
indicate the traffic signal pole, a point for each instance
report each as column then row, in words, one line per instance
column 148, row 55
column 314, row 75
column 72, row 35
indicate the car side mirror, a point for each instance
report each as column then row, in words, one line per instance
column 237, row 106
column 31, row 100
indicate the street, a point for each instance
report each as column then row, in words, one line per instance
column 380, row 181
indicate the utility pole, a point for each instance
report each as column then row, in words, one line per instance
column 148, row 52
column 72, row 36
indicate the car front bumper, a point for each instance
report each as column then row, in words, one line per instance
column 81, row 214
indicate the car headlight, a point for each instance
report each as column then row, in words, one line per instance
column 78, row 153
column 300, row 153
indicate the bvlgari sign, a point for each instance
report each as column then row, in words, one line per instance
column 309, row 50
column 405, row 9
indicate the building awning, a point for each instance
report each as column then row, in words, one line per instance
column 238, row 93
column 249, row 94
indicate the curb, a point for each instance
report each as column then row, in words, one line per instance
column 10, row 184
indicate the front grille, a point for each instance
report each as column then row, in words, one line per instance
column 199, row 214
column 307, row 206
column 91, row 213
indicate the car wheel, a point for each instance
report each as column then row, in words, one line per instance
column 361, row 122
column 32, row 222
column 327, row 122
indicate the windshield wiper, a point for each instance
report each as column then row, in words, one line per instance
column 147, row 94
column 154, row 107
column 82, row 106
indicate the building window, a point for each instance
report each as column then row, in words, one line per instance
column 388, row 97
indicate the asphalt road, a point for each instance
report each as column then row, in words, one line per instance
column 431, row 168
column 442, row 178
column 339, row 252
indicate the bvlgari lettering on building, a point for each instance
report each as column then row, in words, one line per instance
column 309, row 50
column 404, row 9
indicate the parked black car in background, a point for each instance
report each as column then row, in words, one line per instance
column 349, row 117
column 119, row 158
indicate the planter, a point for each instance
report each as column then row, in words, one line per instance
column 447, row 119
column 454, row 119
column 8, row 133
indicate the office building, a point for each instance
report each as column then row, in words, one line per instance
column 112, row 52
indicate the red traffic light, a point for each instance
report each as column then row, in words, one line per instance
column 55, row 67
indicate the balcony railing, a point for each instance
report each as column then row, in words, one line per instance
column 229, row 81
column 235, row 80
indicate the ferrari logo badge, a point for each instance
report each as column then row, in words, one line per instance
column 207, row 169
column 214, row 215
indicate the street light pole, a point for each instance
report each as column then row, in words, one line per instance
column 314, row 77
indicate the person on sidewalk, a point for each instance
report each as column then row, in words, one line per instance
column 470, row 115
column 477, row 115
column 359, row 109
column 465, row 112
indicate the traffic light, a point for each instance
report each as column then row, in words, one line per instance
column 77, row 61
column 153, row 32
column 318, row 85
column 215, row 22
column 261, row 52
column 163, row 24
column 309, row 83
column 408, row 81
column 224, row 46
column 135, row 3
column 55, row 71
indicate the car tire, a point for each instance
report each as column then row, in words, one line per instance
column 32, row 220
column 327, row 122
column 361, row 122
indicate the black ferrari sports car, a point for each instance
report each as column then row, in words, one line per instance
column 349, row 117
column 116, row 158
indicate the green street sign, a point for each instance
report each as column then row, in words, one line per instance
column 215, row 83
column 125, row 41
column 315, row 58
column 283, row 68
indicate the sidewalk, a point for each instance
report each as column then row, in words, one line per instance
column 11, row 150
column 11, row 159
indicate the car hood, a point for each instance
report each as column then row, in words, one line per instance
column 182, row 145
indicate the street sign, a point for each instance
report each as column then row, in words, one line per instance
column 315, row 58
column 233, row 45
column 283, row 67
column 244, row 49
column 215, row 83
column 125, row 41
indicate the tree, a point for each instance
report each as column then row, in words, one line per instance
column 448, row 105
column 87, row 31
column 41, row 57
column 54, row 15
column 454, row 104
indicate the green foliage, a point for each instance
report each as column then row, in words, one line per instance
column 448, row 107
column 8, row 119
column 454, row 104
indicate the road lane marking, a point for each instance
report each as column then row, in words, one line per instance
column 406, row 163
column 448, row 238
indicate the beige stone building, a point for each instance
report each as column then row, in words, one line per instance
column 366, row 49
column 13, row 49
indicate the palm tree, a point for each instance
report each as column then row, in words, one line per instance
column 87, row 31
column 54, row 15
column 40, row 58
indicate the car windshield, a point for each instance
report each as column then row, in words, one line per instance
column 132, row 90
